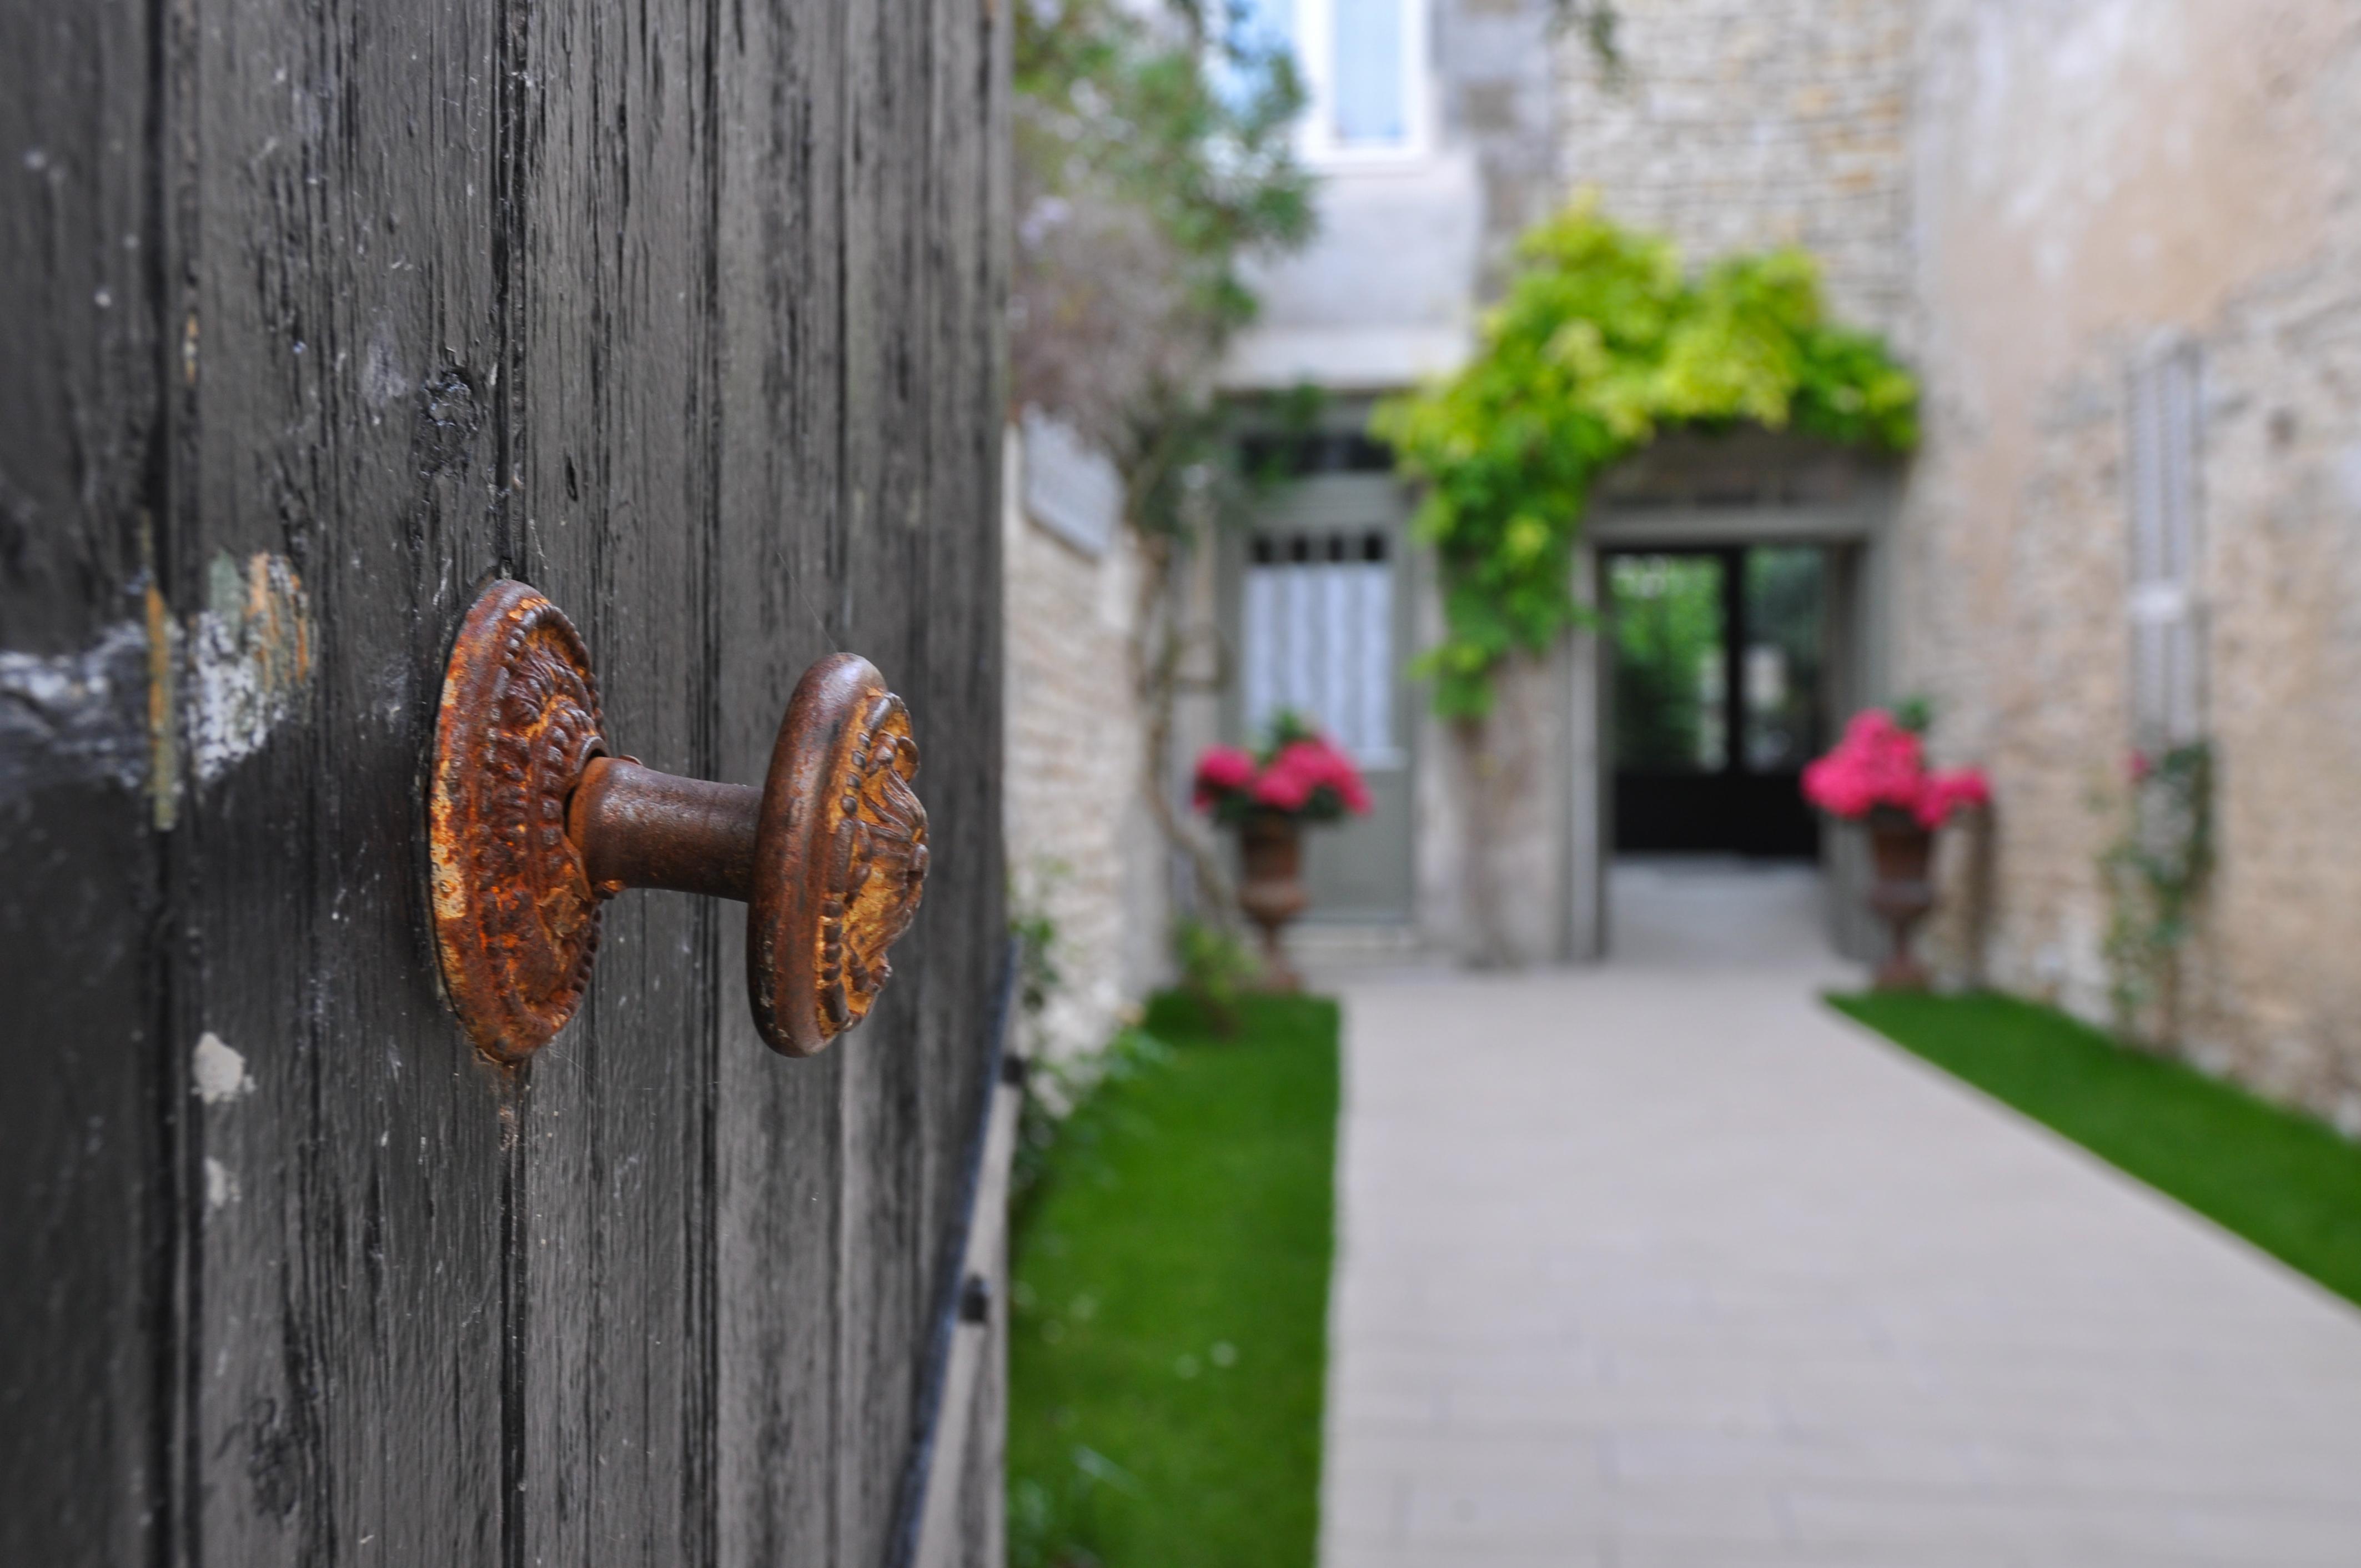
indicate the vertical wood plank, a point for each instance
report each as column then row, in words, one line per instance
column 340, row 189
column 610, row 391
column 964, row 642
column 779, row 317
column 86, row 1308
column 889, row 448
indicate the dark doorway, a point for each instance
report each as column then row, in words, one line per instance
column 1717, row 697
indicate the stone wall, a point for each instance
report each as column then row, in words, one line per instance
column 2029, row 198
column 1082, row 848
column 2089, row 180
column 1734, row 124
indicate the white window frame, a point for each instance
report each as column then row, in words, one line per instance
column 1315, row 139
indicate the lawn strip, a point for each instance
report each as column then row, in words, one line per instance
column 2288, row 1183
column 1170, row 1303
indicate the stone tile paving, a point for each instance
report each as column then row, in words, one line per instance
column 1655, row 1267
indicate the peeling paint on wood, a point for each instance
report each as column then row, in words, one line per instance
column 75, row 718
column 249, row 659
column 217, row 1071
column 107, row 714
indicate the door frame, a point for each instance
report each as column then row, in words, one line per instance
column 1795, row 494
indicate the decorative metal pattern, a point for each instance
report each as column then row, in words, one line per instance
column 516, row 921
column 841, row 823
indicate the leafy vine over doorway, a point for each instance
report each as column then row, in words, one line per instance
column 1604, row 339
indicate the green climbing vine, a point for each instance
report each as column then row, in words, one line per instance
column 2154, row 872
column 1604, row 338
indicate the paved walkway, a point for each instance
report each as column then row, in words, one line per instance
column 1664, row 1264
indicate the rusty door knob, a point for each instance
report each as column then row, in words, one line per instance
column 532, row 824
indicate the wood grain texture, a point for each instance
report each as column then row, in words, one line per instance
column 337, row 175
column 85, row 1152
column 611, row 389
column 687, row 313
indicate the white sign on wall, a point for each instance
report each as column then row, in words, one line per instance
column 1071, row 489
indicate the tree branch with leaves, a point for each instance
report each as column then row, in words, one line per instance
column 1152, row 157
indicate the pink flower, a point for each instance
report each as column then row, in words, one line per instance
column 2137, row 765
column 1308, row 775
column 1220, row 770
column 1304, row 768
column 1947, row 792
column 1879, row 763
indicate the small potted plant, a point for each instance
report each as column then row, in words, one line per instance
column 1299, row 776
column 1878, row 775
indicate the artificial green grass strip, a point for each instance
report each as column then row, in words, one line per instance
column 1169, row 1300
column 2286, row 1182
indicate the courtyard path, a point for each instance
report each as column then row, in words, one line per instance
column 1663, row 1262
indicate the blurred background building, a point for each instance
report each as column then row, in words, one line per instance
column 2121, row 244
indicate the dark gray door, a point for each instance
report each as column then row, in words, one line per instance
column 318, row 316
column 1318, row 609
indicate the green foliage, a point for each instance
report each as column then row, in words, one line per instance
column 2155, row 871
column 2284, row 1181
column 1915, row 713
column 1169, row 1301
column 1036, row 930
column 1603, row 340
column 1152, row 154
column 1053, row 1091
column 1216, row 969
column 1185, row 125
column 1667, row 625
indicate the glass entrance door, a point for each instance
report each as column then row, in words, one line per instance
column 1716, row 698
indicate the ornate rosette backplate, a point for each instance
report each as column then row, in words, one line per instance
column 843, row 851
column 516, row 921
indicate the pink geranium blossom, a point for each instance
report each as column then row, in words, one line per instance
column 1880, row 764
column 1221, row 770
column 1306, row 774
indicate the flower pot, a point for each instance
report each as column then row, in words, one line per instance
column 1273, row 892
column 1902, row 854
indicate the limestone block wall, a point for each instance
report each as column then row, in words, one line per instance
column 1082, row 846
column 2089, row 180
column 1735, row 126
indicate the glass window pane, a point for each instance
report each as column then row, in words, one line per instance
column 1668, row 663
column 1782, row 672
column 1318, row 640
column 1368, row 87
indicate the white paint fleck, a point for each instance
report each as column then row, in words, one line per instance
column 249, row 659
column 221, row 1187
column 382, row 382
column 220, row 1071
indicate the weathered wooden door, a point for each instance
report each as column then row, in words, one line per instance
column 316, row 316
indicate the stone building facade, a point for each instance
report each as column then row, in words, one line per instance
column 1738, row 127
column 2096, row 188
column 1084, row 853
column 2121, row 242
column 2048, row 208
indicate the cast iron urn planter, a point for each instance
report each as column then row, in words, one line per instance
column 1902, row 854
column 1272, row 895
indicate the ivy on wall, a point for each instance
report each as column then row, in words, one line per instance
column 1604, row 339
